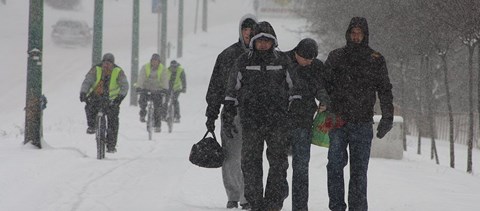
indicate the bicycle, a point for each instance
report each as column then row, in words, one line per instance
column 150, row 121
column 150, row 115
column 170, row 111
column 101, row 130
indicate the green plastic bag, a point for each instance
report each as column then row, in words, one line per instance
column 319, row 131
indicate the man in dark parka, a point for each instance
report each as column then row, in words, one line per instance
column 231, row 169
column 356, row 74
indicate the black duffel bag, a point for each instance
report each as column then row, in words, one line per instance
column 207, row 152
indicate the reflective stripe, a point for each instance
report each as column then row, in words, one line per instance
column 277, row 67
column 293, row 97
column 289, row 80
column 253, row 68
column 232, row 99
column 238, row 85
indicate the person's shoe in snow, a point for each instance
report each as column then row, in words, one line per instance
column 158, row 129
column 142, row 119
column 91, row 130
column 111, row 150
column 232, row 204
column 176, row 120
column 246, row 206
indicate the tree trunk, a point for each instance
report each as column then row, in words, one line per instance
column 420, row 110
column 430, row 102
column 403, row 66
column 450, row 111
column 471, row 49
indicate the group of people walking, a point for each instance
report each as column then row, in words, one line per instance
column 269, row 96
column 106, row 85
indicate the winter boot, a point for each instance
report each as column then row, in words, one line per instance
column 91, row 130
column 232, row 204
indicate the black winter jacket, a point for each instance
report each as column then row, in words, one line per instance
column 223, row 65
column 216, row 88
column 262, row 84
column 311, row 87
column 355, row 75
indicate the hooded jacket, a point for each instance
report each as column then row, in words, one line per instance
column 262, row 84
column 223, row 65
column 355, row 75
column 312, row 87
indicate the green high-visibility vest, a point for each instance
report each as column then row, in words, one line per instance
column 177, row 84
column 113, row 86
column 148, row 70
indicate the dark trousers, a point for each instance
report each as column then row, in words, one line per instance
column 300, row 139
column 176, row 105
column 159, row 110
column 358, row 138
column 92, row 107
column 276, row 189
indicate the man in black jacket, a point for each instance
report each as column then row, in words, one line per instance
column 309, row 69
column 231, row 169
column 356, row 74
column 261, row 85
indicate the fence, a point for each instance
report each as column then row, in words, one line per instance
column 460, row 128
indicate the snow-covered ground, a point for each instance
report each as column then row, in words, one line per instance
column 156, row 175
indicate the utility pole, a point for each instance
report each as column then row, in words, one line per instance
column 135, row 40
column 159, row 25
column 34, row 74
column 204, row 15
column 97, row 32
column 180, row 30
column 163, row 55
column 196, row 18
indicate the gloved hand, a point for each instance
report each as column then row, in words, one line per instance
column 384, row 126
column 138, row 89
column 117, row 101
column 210, row 124
column 230, row 111
column 296, row 106
column 83, row 96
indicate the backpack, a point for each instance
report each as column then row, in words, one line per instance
column 207, row 153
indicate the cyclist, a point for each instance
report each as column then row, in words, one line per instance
column 104, row 81
column 153, row 78
column 178, row 84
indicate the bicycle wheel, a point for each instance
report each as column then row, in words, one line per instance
column 150, row 121
column 170, row 117
column 101, row 135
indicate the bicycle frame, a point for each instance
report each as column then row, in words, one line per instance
column 170, row 112
column 101, row 132
column 150, row 115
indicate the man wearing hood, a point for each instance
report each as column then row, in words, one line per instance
column 356, row 74
column 231, row 169
column 260, row 86
column 309, row 70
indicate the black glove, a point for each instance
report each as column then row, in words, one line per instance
column 138, row 89
column 83, row 96
column 118, row 100
column 229, row 113
column 210, row 124
column 296, row 106
column 384, row 126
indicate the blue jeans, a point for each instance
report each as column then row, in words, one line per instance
column 301, row 141
column 358, row 138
